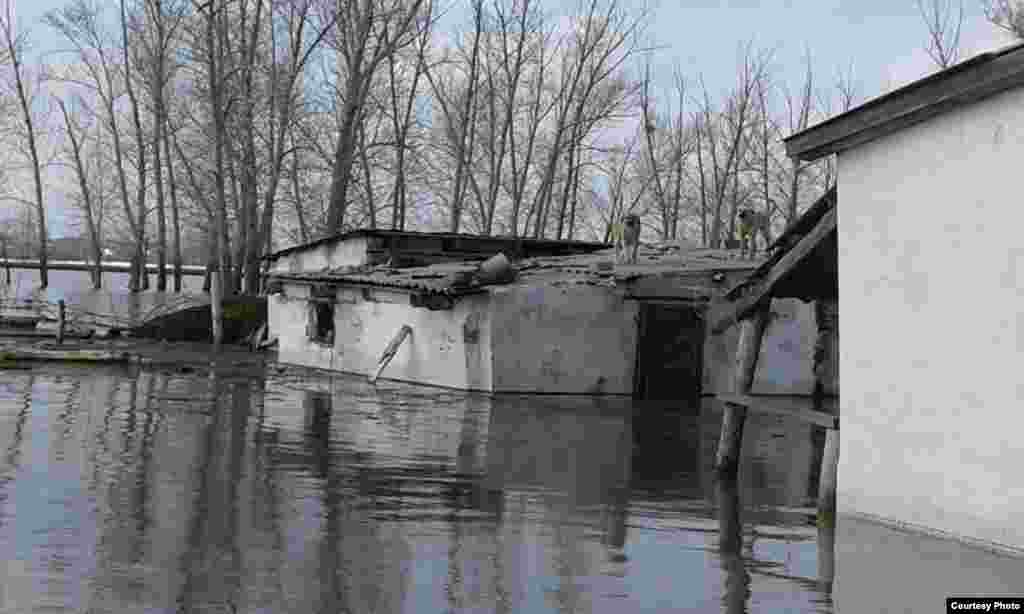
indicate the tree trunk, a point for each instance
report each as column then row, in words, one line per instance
column 158, row 181
column 175, row 218
column 15, row 57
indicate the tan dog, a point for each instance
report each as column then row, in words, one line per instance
column 626, row 237
column 753, row 223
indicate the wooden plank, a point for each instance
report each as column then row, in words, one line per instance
column 725, row 315
column 970, row 81
column 799, row 407
column 390, row 351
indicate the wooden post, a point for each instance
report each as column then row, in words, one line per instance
column 826, row 376
column 827, row 481
column 735, row 577
column 826, row 558
column 60, row 321
column 734, row 415
column 390, row 351
column 216, row 306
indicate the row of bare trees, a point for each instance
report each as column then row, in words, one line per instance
column 235, row 127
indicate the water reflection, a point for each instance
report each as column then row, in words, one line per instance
column 129, row 490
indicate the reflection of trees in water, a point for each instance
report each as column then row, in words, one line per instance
column 12, row 455
column 210, row 563
column 268, row 500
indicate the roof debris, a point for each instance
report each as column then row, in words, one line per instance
column 598, row 268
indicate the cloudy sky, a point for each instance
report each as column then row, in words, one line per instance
column 882, row 41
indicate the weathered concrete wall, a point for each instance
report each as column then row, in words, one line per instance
column 563, row 339
column 351, row 252
column 446, row 348
column 786, row 362
column 932, row 278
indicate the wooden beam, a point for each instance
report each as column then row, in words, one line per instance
column 799, row 407
column 730, row 441
column 390, row 351
column 970, row 81
column 725, row 315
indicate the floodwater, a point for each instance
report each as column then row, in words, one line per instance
column 24, row 283
column 127, row 490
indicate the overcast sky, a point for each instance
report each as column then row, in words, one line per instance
column 882, row 40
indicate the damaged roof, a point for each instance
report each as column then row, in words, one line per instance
column 597, row 268
column 528, row 243
column 805, row 266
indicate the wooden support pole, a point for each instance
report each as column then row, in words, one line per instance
column 826, row 377
column 827, row 481
column 826, row 558
column 60, row 321
column 390, row 351
column 734, row 415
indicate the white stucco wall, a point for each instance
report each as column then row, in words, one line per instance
column 564, row 339
column 931, row 280
column 351, row 252
column 446, row 348
column 557, row 338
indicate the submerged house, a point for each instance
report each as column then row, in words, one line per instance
column 567, row 321
column 931, row 272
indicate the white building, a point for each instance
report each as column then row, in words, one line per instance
column 571, row 322
column 931, row 292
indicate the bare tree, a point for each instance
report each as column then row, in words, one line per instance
column 91, row 212
column 15, row 45
column 1007, row 14
column 724, row 138
column 366, row 32
column 605, row 38
column 798, row 114
column 80, row 24
column 211, row 45
column 156, row 35
column 944, row 19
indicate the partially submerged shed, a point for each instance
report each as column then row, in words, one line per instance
column 575, row 324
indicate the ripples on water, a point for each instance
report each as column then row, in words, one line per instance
column 142, row 491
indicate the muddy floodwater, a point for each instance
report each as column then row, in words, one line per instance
column 126, row 490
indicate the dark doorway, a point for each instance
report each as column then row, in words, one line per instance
column 670, row 352
column 321, row 324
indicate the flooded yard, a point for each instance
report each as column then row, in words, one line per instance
column 133, row 490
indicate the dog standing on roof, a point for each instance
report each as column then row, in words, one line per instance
column 626, row 237
column 753, row 223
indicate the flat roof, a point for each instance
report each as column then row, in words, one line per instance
column 979, row 77
column 368, row 232
column 653, row 262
